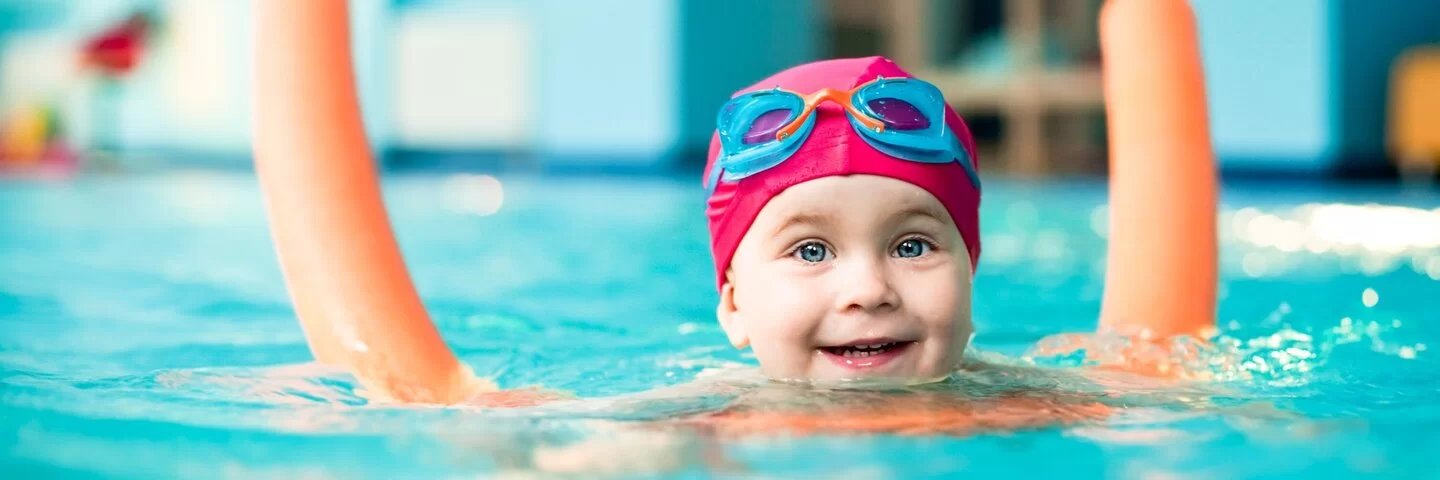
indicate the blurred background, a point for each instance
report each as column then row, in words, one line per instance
column 1306, row 88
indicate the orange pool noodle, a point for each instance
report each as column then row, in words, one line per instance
column 1161, row 270
column 341, row 263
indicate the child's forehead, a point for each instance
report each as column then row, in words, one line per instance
column 852, row 199
column 834, row 190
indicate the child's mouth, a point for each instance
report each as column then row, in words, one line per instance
column 865, row 354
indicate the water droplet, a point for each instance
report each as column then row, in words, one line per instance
column 1370, row 297
column 1407, row 353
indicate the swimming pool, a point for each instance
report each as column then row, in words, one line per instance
column 145, row 333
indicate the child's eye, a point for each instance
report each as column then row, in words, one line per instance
column 912, row 248
column 812, row 252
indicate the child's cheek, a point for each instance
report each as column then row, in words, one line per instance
column 790, row 288
column 780, row 335
column 791, row 313
column 786, row 315
column 942, row 303
column 935, row 295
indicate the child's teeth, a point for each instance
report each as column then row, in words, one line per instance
column 863, row 350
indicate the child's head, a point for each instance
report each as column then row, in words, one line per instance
column 842, row 254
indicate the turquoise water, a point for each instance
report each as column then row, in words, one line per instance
column 145, row 333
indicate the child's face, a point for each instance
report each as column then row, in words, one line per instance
column 851, row 277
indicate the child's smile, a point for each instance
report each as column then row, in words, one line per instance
column 871, row 354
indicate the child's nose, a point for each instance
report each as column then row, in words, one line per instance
column 866, row 287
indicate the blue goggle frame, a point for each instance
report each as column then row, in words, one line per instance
column 933, row 143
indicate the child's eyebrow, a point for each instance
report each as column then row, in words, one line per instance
column 925, row 211
column 801, row 219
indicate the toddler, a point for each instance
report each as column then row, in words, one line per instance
column 843, row 210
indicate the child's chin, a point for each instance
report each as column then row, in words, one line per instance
column 832, row 378
column 894, row 375
column 902, row 374
column 869, row 381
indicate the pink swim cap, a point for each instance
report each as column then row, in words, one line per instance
column 834, row 148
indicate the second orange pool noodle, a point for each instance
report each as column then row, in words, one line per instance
column 1161, row 272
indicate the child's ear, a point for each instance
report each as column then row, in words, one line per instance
column 729, row 317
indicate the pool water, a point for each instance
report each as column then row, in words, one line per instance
column 145, row 332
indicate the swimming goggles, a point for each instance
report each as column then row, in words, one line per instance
column 901, row 117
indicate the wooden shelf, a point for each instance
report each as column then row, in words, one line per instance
column 1023, row 98
column 856, row 13
column 1057, row 90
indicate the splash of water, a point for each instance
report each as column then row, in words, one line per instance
column 1275, row 352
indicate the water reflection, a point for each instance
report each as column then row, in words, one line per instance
column 481, row 195
column 1372, row 239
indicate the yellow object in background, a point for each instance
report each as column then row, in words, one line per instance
column 26, row 135
column 1414, row 133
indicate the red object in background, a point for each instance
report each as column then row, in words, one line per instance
column 117, row 50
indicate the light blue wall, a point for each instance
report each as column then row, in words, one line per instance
column 636, row 82
column 1267, row 68
column 608, row 81
column 1303, row 85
